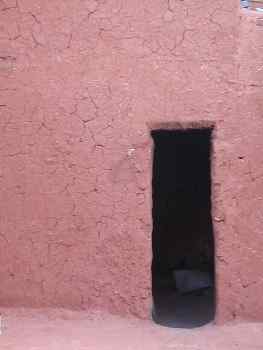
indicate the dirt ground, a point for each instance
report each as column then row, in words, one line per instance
column 26, row 329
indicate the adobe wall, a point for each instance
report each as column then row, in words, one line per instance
column 81, row 85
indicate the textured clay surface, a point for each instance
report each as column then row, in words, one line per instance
column 81, row 84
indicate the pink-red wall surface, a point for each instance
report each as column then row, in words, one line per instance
column 81, row 85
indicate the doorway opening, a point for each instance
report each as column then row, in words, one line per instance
column 183, row 280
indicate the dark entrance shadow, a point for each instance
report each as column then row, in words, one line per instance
column 182, row 242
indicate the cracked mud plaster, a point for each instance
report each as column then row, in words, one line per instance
column 80, row 81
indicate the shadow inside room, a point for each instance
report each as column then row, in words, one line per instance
column 183, row 285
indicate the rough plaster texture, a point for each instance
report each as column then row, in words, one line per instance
column 81, row 84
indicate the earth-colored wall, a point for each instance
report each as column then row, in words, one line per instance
column 81, row 85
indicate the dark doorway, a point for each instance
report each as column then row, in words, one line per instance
column 182, row 239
